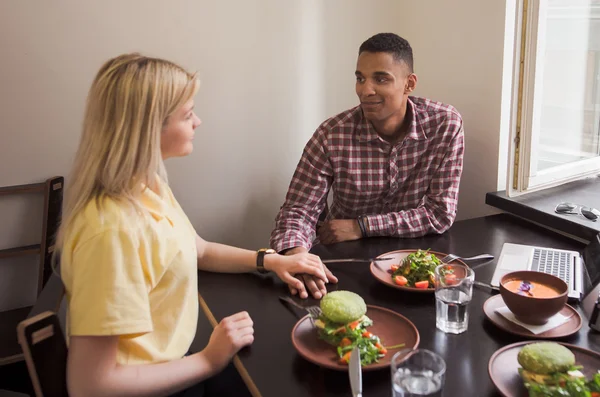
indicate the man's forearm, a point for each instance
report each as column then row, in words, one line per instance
column 415, row 222
column 293, row 250
column 306, row 197
column 291, row 231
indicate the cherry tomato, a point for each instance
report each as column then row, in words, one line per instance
column 346, row 358
column 450, row 279
column 422, row 284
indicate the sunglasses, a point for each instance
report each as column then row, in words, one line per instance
column 574, row 209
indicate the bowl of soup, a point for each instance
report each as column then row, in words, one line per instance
column 533, row 297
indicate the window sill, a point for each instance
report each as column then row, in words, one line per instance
column 539, row 206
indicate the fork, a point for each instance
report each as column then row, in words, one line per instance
column 451, row 257
column 314, row 311
column 487, row 285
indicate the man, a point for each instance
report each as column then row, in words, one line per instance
column 394, row 162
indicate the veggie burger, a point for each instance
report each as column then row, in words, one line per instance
column 344, row 324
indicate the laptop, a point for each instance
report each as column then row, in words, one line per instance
column 591, row 307
column 581, row 272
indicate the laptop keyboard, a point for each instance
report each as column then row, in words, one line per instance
column 553, row 262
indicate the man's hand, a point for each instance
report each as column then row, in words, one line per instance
column 338, row 230
column 291, row 268
column 315, row 285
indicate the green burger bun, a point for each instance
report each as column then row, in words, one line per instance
column 343, row 306
column 540, row 360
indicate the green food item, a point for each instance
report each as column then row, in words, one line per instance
column 564, row 385
column 546, row 358
column 333, row 333
column 549, row 370
column 343, row 306
column 418, row 266
column 369, row 351
column 343, row 324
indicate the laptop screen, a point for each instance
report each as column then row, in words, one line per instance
column 591, row 257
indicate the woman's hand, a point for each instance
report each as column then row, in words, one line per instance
column 228, row 337
column 301, row 270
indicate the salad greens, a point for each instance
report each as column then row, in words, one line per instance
column 346, row 337
column 565, row 385
column 416, row 270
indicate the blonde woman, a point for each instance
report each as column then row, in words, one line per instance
column 129, row 255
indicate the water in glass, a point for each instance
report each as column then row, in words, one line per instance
column 413, row 383
column 451, row 310
column 453, row 292
column 417, row 373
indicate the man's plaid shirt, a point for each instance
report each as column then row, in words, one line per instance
column 406, row 189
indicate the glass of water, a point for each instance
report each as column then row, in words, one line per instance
column 453, row 292
column 417, row 373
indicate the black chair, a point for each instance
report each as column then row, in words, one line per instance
column 43, row 342
column 52, row 189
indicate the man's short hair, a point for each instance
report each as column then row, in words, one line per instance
column 392, row 44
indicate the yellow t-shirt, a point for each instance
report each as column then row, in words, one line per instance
column 141, row 286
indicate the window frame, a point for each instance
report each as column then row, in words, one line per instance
column 527, row 79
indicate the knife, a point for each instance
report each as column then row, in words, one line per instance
column 355, row 373
column 357, row 260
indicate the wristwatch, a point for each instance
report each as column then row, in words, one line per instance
column 260, row 259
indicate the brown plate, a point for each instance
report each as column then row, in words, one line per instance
column 391, row 327
column 503, row 367
column 566, row 329
column 380, row 271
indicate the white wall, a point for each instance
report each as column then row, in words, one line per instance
column 458, row 49
column 271, row 71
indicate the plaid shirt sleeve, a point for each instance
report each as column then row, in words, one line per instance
column 306, row 197
column 437, row 210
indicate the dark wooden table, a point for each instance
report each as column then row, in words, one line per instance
column 273, row 368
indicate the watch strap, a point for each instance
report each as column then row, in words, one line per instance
column 260, row 259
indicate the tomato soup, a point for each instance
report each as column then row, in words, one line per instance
column 531, row 288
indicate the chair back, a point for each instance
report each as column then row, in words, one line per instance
column 45, row 350
column 43, row 342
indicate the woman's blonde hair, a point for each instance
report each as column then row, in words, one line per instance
column 127, row 107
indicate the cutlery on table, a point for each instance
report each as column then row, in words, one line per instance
column 314, row 311
column 480, row 265
column 486, row 285
column 365, row 260
column 354, row 371
column 451, row 257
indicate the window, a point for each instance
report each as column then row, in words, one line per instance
column 557, row 134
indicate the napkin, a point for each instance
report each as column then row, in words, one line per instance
column 553, row 322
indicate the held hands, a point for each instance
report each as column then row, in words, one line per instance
column 338, row 230
column 315, row 285
column 291, row 267
column 229, row 336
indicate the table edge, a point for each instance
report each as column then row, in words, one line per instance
column 236, row 360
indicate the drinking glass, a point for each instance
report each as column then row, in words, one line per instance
column 417, row 373
column 453, row 292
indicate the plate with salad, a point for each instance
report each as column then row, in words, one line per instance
column 410, row 270
column 545, row 369
column 346, row 322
